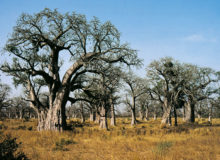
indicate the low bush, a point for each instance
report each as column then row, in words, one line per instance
column 8, row 149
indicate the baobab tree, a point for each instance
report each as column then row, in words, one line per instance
column 166, row 82
column 198, row 86
column 102, row 93
column 41, row 43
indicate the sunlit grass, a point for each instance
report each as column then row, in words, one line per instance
column 144, row 141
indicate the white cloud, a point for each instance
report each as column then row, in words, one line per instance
column 199, row 38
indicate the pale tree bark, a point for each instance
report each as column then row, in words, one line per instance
column 103, row 118
column 210, row 114
column 141, row 115
column 184, row 113
column 147, row 114
column 41, row 111
column 97, row 117
column 199, row 116
column 155, row 116
column 41, row 120
column 82, row 113
column 56, row 118
column 210, row 118
column 91, row 115
column 166, row 113
column 21, row 114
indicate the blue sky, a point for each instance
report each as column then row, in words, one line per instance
column 187, row 30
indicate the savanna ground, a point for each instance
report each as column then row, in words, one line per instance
column 146, row 140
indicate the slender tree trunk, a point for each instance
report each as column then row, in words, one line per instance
column 133, row 117
column 133, row 114
column 82, row 113
column 91, row 115
column 147, row 114
column 175, row 116
column 21, row 114
column 141, row 115
column 184, row 112
column 210, row 114
column 113, row 119
column 155, row 116
column 103, row 118
column 170, row 120
column 199, row 116
column 97, row 117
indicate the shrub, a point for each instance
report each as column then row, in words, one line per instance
column 8, row 148
column 162, row 148
column 21, row 127
column 60, row 145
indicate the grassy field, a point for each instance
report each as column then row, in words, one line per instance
column 146, row 140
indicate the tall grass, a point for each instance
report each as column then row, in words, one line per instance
column 123, row 142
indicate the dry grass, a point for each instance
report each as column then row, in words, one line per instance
column 123, row 142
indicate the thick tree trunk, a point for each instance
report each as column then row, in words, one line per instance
column 147, row 114
column 103, row 118
column 91, row 115
column 56, row 118
column 141, row 115
column 166, row 113
column 190, row 112
column 82, row 118
column 155, row 116
column 21, row 114
column 97, row 117
column 113, row 119
column 41, row 120
column 210, row 118
column 199, row 116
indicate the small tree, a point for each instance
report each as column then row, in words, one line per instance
column 136, row 87
column 166, row 82
column 198, row 86
column 4, row 99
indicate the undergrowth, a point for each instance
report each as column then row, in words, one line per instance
column 147, row 140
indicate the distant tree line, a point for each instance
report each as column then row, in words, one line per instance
column 99, row 76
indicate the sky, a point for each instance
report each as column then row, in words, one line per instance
column 187, row 30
